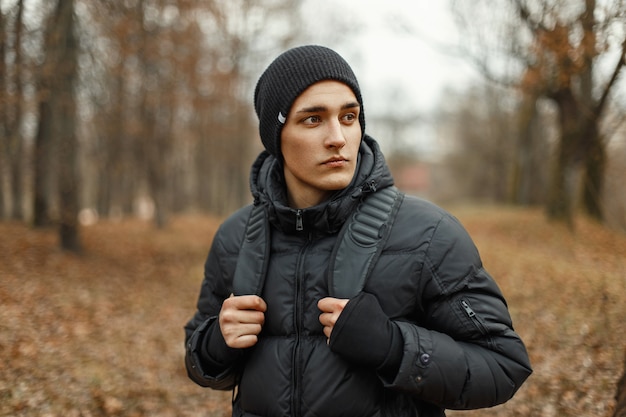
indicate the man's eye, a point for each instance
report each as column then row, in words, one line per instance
column 312, row 120
column 349, row 117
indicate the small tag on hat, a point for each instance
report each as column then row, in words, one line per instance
column 281, row 118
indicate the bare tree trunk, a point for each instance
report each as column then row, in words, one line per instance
column 592, row 150
column 561, row 191
column 68, row 168
column 12, row 152
column 111, row 167
column 42, row 163
column 595, row 161
column 559, row 205
column 3, row 120
column 44, row 146
column 521, row 175
column 595, row 155
column 16, row 152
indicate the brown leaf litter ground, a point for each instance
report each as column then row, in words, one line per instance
column 101, row 334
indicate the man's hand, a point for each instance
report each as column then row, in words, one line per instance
column 331, row 308
column 241, row 320
column 361, row 332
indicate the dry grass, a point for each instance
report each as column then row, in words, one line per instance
column 101, row 334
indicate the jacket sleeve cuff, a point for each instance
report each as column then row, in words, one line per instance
column 201, row 368
column 433, row 366
column 389, row 368
column 217, row 353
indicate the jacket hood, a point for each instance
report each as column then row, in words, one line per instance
column 267, row 185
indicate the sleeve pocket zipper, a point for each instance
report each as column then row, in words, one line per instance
column 474, row 317
column 480, row 324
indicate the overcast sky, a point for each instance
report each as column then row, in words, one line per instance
column 403, row 54
column 407, row 45
column 413, row 50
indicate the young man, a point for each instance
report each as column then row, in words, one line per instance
column 428, row 330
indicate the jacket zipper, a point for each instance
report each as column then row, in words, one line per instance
column 298, row 323
column 299, row 226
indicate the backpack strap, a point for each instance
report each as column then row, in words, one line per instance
column 361, row 241
column 254, row 254
column 358, row 246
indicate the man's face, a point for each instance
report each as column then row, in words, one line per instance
column 320, row 142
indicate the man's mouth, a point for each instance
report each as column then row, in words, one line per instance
column 335, row 162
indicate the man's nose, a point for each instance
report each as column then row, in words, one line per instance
column 335, row 137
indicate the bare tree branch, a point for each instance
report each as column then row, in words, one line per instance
column 609, row 85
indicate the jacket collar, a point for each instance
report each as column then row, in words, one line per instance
column 267, row 185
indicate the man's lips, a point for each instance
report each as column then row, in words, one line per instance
column 335, row 162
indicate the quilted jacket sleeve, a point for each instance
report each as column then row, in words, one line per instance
column 214, row 369
column 465, row 354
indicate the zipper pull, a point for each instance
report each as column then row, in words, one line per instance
column 299, row 226
column 468, row 309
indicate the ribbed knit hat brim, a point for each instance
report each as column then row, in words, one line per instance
column 287, row 77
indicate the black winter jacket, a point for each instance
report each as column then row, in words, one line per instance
column 459, row 347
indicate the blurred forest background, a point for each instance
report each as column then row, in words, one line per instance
column 117, row 108
column 142, row 109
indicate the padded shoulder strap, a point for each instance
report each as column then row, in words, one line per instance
column 361, row 241
column 253, row 255
column 356, row 251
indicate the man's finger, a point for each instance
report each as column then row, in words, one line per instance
column 246, row 302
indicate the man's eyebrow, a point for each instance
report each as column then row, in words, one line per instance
column 316, row 109
column 351, row 105
column 312, row 109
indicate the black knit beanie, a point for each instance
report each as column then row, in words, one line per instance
column 287, row 77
